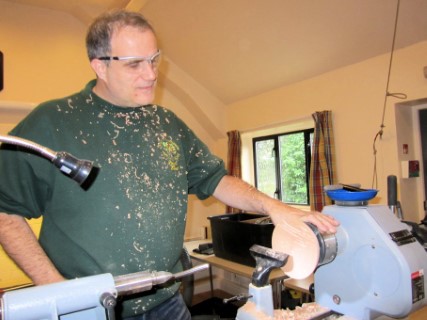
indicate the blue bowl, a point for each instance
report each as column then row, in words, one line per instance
column 345, row 195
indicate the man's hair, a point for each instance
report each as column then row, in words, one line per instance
column 98, row 38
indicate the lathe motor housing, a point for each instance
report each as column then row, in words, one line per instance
column 379, row 268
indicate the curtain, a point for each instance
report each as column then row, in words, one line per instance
column 323, row 163
column 234, row 159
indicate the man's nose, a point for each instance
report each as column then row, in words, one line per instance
column 148, row 71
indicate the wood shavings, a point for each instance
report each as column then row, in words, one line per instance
column 305, row 312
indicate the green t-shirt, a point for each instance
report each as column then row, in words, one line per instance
column 133, row 216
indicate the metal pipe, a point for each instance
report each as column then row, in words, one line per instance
column 145, row 280
column 188, row 272
column 45, row 152
column 140, row 281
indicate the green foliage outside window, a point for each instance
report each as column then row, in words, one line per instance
column 282, row 165
column 293, row 170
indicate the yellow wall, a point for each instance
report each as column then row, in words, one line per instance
column 43, row 52
column 355, row 94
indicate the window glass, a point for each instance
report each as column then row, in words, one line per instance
column 282, row 165
column 266, row 167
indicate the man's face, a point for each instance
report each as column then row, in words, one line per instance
column 130, row 82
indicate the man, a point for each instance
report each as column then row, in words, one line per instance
column 133, row 216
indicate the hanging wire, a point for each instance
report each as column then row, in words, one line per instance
column 387, row 94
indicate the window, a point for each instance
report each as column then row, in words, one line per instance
column 282, row 165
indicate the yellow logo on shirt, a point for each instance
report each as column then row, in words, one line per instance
column 170, row 153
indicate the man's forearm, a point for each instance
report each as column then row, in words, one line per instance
column 239, row 194
column 22, row 246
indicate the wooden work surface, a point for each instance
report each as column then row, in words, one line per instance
column 419, row 314
column 234, row 267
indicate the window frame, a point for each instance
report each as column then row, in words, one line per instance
column 307, row 150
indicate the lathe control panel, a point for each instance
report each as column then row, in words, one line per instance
column 402, row 237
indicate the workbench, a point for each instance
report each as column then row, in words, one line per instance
column 276, row 276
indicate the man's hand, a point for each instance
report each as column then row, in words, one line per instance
column 324, row 223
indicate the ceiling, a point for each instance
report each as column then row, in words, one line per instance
column 239, row 48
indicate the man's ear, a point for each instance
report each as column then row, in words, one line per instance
column 99, row 67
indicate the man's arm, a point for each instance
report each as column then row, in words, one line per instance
column 239, row 194
column 22, row 246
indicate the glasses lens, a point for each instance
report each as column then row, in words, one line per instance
column 155, row 60
column 136, row 64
